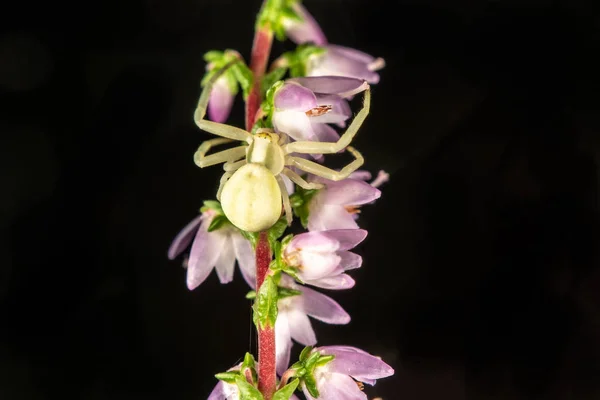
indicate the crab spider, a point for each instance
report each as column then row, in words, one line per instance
column 251, row 190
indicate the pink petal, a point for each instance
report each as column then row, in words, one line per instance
column 220, row 101
column 184, row 238
column 205, row 252
column 306, row 31
column 323, row 308
column 220, row 392
column 336, row 387
column 339, row 113
column 333, row 282
column 283, row 343
column 244, row 253
column 324, row 132
column 351, row 53
column 324, row 217
column 360, row 365
column 344, row 86
column 300, row 328
column 338, row 63
column 349, row 260
column 314, row 242
column 350, row 192
column 347, row 238
column 294, row 97
column 295, row 124
column 317, row 265
column 226, row 262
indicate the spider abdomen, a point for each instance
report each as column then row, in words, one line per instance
column 251, row 198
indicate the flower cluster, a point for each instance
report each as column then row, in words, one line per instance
column 269, row 179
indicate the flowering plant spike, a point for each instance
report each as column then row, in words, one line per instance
column 276, row 174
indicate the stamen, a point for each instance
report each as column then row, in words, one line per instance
column 376, row 64
column 360, row 385
column 317, row 111
column 352, row 209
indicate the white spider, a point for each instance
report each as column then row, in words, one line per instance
column 251, row 190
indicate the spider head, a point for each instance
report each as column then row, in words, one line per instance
column 264, row 149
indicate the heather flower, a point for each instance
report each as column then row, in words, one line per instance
column 335, row 206
column 335, row 60
column 218, row 249
column 304, row 106
column 293, row 323
column 340, row 378
column 322, row 258
column 221, row 99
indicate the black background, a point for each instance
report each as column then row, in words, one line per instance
column 479, row 278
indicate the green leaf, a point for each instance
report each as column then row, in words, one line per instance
column 247, row 391
column 287, row 391
column 276, row 231
column 212, row 205
column 265, row 306
column 302, row 202
column 213, row 55
column 249, row 361
column 244, row 76
column 282, row 293
column 217, row 222
column 251, row 294
column 229, row 376
column 305, row 353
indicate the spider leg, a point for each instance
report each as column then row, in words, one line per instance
column 298, row 180
column 286, row 200
column 232, row 166
column 224, row 130
column 324, row 172
column 309, row 147
column 233, row 154
column 230, row 169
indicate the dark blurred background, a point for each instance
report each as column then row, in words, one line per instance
column 480, row 278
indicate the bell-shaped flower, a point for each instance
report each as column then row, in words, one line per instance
column 217, row 249
column 293, row 323
column 335, row 206
column 304, row 30
column 221, row 98
column 304, row 106
column 342, row 377
column 322, row 258
column 335, row 60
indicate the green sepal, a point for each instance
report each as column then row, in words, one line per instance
column 305, row 353
column 323, row 360
column 251, row 236
column 273, row 15
column 287, row 391
column 251, row 295
column 300, row 201
column 265, row 305
column 282, row 293
column 248, row 362
column 276, row 231
column 217, row 223
column 271, row 78
column 311, row 361
column 311, row 385
column 298, row 59
column 229, row 376
column 247, row 391
column 212, row 205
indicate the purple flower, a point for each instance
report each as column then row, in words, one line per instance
column 307, row 30
column 334, row 206
column 221, row 99
column 321, row 258
column 304, row 106
column 336, row 60
column 336, row 379
column 293, row 323
column 218, row 249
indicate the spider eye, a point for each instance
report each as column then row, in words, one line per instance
column 264, row 135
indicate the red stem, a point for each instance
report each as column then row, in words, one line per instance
column 267, row 378
column 261, row 49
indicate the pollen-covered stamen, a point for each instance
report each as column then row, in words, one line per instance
column 318, row 111
column 353, row 209
column 360, row 385
column 293, row 259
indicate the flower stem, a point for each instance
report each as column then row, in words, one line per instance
column 261, row 49
column 267, row 378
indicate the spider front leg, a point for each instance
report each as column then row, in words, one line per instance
column 224, row 130
column 287, row 207
column 225, row 156
column 324, row 172
column 309, row 147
